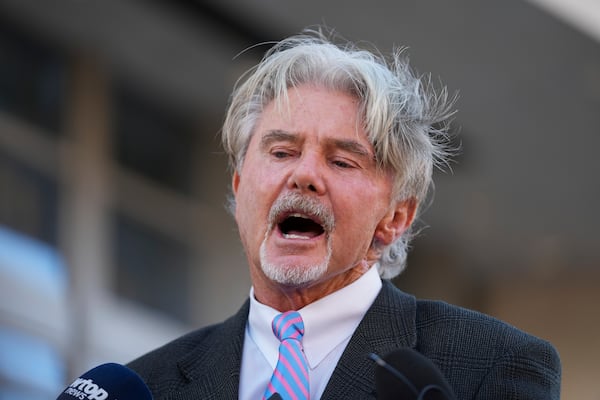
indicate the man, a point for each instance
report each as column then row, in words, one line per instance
column 332, row 154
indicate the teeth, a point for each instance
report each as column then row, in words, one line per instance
column 297, row 215
column 293, row 236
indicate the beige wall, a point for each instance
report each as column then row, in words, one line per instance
column 563, row 310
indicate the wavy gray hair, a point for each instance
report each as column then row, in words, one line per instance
column 405, row 118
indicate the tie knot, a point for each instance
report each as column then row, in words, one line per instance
column 288, row 325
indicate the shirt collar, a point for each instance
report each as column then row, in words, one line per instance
column 327, row 322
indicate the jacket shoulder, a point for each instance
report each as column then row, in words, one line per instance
column 490, row 352
column 172, row 351
column 197, row 356
column 159, row 367
column 469, row 328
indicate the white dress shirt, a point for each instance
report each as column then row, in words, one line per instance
column 328, row 325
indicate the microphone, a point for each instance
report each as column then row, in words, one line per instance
column 107, row 382
column 407, row 374
column 275, row 396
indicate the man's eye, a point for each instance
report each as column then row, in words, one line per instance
column 280, row 154
column 342, row 164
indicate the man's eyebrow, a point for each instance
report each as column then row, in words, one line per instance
column 353, row 147
column 278, row 135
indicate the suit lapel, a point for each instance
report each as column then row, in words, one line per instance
column 213, row 369
column 388, row 325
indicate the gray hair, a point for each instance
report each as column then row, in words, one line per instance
column 406, row 120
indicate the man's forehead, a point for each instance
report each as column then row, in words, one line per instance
column 305, row 96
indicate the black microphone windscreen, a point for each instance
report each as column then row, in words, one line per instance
column 107, row 382
column 424, row 376
column 275, row 396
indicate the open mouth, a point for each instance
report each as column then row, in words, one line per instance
column 298, row 226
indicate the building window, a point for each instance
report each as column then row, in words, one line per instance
column 151, row 268
column 29, row 202
column 32, row 80
column 152, row 140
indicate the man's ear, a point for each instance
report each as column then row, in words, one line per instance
column 235, row 182
column 397, row 220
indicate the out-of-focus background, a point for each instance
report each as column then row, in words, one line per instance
column 113, row 232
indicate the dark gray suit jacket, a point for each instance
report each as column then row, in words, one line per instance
column 481, row 357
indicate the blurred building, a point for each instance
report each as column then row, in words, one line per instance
column 114, row 236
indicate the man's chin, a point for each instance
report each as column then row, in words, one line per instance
column 291, row 272
column 294, row 270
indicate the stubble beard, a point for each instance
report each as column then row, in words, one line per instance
column 293, row 274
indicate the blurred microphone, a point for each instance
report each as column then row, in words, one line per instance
column 107, row 382
column 275, row 396
column 407, row 374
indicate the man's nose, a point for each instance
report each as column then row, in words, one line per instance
column 308, row 175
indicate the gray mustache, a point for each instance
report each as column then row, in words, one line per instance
column 295, row 202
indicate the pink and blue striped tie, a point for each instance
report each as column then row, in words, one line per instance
column 290, row 378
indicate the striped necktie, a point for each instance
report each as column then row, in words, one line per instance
column 290, row 378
